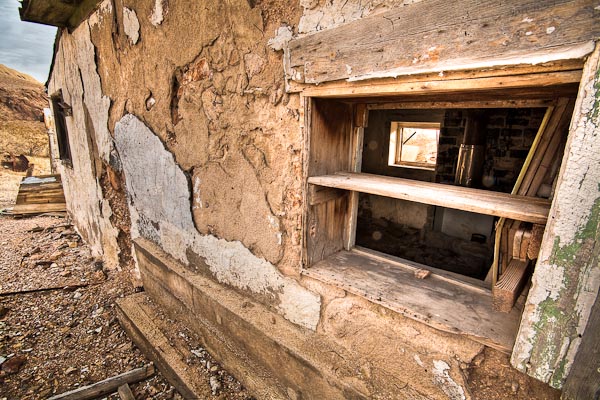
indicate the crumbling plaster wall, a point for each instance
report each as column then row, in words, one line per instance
column 75, row 74
column 210, row 147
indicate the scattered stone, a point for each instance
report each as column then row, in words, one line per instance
column 73, row 244
column 55, row 256
column 514, row 386
column 14, row 364
column 54, row 265
column 197, row 353
column 77, row 295
column 214, row 368
column 215, row 385
column 65, row 273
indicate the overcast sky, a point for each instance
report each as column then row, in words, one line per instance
column 24, row 46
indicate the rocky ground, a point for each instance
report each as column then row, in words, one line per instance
column 58, row 327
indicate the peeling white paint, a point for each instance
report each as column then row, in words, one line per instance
column 282, row 37
column 157, row 16
column 103, row 9
column 574, row 52
column 159, row 192
column 443, row 379
column 418, row 361
column 75, row 74
column 131, row 25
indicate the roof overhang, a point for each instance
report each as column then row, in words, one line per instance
column 61, row 13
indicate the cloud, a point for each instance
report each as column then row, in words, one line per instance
column 25, row 46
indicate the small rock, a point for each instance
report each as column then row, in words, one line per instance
column 77, row 295
column 3, row 311
column 98, row 330
column 2, row 359
column 70, row 370
column 214, row 368
column 215, row 385
column 65, row 273
column 73, row 244
column 54, row 265
column 197, row 353
column 514, row 386
column 55, row 256
column 14, row 364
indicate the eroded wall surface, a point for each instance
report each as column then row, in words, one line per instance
column 182, row 133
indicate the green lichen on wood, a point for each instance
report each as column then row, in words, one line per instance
column 558, row 319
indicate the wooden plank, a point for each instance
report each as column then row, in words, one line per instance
column 467, row 199
column 125, row 392
column 356, row 160
column 433, row 301
column 349, row 87
column 429, row 105
column 507, row 289
column 38, row 208
column 320, row 194
column 535, row 243
column 330, row 128
column 449, row 276
column 436, row 35
column 501, row 84
column 583, row 381
column 107, row 386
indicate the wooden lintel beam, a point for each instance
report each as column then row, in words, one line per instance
column 436, row 35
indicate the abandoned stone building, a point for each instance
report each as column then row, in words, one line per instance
column 346, row 199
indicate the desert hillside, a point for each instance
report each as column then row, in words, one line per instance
column 22, row 100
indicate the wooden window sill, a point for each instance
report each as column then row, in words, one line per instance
column 520, row 208
column 443, row 300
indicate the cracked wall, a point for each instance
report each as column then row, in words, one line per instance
column 209, row 152
column 75, row 74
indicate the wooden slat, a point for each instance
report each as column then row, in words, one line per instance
column 39, row 208
column 437, row 35
column 433, row 301
column 106, row 386
column 320, row 194
column 429, row 105
column 467, row 199
column 330, row 128
column 511, row 87
column 507, row 289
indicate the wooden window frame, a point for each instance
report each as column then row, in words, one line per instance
column 399, row 144
column 331, row 191
column 60, row 111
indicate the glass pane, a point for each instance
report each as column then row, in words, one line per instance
column 419, row 145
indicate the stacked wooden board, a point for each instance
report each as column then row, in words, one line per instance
column 40, row 194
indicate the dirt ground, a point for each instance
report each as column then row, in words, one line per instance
column 58, row 327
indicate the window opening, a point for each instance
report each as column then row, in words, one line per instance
column 479, row 148
column 61, row 110
column 413, row 144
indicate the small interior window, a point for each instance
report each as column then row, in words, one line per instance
column 413, row 144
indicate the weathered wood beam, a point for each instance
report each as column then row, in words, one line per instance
column 437, row 35
column 107, row 386
column 521, row 208
column 566, row 280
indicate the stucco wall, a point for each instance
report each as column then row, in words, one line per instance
column 182, row 109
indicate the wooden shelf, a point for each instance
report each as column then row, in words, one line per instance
column 437, row 300
column 520, row 208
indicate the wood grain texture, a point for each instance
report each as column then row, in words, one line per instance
column 583, row 381
column 330, row 146
column 467, row 199
column 438, row 35
column 507, row 289
column 107, row 386
column 433, row 301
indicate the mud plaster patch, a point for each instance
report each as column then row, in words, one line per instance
column 159, row 195
column 442, row 378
